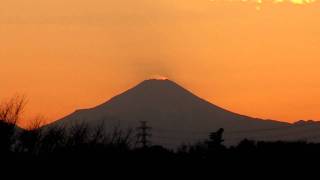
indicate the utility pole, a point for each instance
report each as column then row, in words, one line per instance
column 143, row 134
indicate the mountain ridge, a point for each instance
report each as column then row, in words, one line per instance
column 171, row 109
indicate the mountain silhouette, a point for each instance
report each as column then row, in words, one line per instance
column 176, row 115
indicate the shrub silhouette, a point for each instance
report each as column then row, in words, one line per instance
column 246, row 146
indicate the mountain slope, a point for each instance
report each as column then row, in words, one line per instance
column 176, row 115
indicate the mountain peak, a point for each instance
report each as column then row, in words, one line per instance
column 157, row 80
column 160, row 86
column 160, row 79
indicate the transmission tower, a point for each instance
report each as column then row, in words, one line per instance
column 143, row 134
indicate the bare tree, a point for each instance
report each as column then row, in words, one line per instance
column 78, row 136
column 121, row 139
column 98, row 135
column 10, row 112
column 29, row 138
column 52, row 139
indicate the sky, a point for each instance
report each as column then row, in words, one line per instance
column 253, row 57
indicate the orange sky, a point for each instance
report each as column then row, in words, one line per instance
column 70, row 54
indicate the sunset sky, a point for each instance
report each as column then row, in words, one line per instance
column 258, row 58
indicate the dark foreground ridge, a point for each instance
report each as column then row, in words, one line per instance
column 85, row 151
column 59, row 144
column 87, row 145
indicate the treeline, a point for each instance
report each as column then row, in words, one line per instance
column 82, row 141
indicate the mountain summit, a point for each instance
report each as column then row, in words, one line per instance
column 175, row 114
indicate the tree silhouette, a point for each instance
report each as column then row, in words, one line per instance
column 29, row 138
column 52, row 140
column 215, row 140
column 10, row 112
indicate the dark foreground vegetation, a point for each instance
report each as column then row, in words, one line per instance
column 80, row 143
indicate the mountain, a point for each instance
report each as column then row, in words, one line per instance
column 176, row 115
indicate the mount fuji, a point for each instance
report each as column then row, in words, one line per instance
column 178, row 116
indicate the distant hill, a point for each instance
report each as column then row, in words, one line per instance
column 177, row 115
